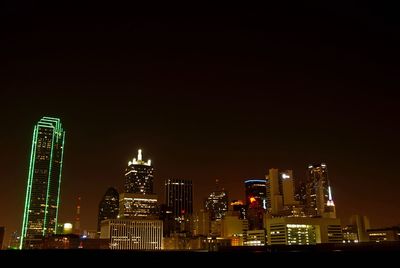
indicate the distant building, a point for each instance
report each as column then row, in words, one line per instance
column 133, row 206
column 240, row 208
column 167, row 217
column 2, row 232
column 274, row 195
column 217, row 204
column 360, row 225
column 138, row 200
column 319, row 196
column 256, row 238
column 303, row 231
column 256, row 193
column 127, row 234
column 108, row 207
column 350, row 234
column 201, row 223
column 234, row 228
column 384, row 234
column 139, row 176
column 256, row 202
column 73, row 241
column 44, row 179
column 14, row 242
column 286, row 183
column 179, row 196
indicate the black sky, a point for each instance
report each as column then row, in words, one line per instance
column 207, row 94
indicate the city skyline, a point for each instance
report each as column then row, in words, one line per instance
column 220, row 97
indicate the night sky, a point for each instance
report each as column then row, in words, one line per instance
column 207, row 94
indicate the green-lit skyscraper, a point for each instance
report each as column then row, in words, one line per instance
column 44, row 179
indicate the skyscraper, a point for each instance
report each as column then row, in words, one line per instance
column 217, row 203
column 275, row 198
column 108, row 207
column 139, row 176
column 319, row 195
column 179, row 197
column 287, row 187
column 138, row 200
column 256, row 193
column 44, row 179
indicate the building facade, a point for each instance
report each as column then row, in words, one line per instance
column 139, row 176
column 318, row 191
column 133, row 206
column 217, row 203
column 303, row 231
column 179, row 197
column 44, row 180
column 108, row 207
column 127, row 234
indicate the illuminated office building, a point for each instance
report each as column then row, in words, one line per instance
column 303, row 231
column 319, row 200
column 179, row 197
column 137, row 206
column 256, row 193
column 44, row 179
column 128, row 234
column 108, row 207
column 138, row 200
column 139, row 176
column 217, row 204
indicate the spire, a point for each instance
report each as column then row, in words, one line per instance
column 140, row 155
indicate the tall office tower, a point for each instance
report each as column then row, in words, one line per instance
column 256, row 202
column 319, row 195
column 256, row 193
column 108, row 207
column 179, row 197
column 217, row 203
column 139, row 176
column 77, row 226
column 273, row 192
column 138, row 200
column 286, row 182
column 44, row 179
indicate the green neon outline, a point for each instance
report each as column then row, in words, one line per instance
column 48, row 183
column 55, row 124
column 29, row 185
column 59, row 181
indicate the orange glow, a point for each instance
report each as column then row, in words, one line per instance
column 252, row 200
column 237, row 203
